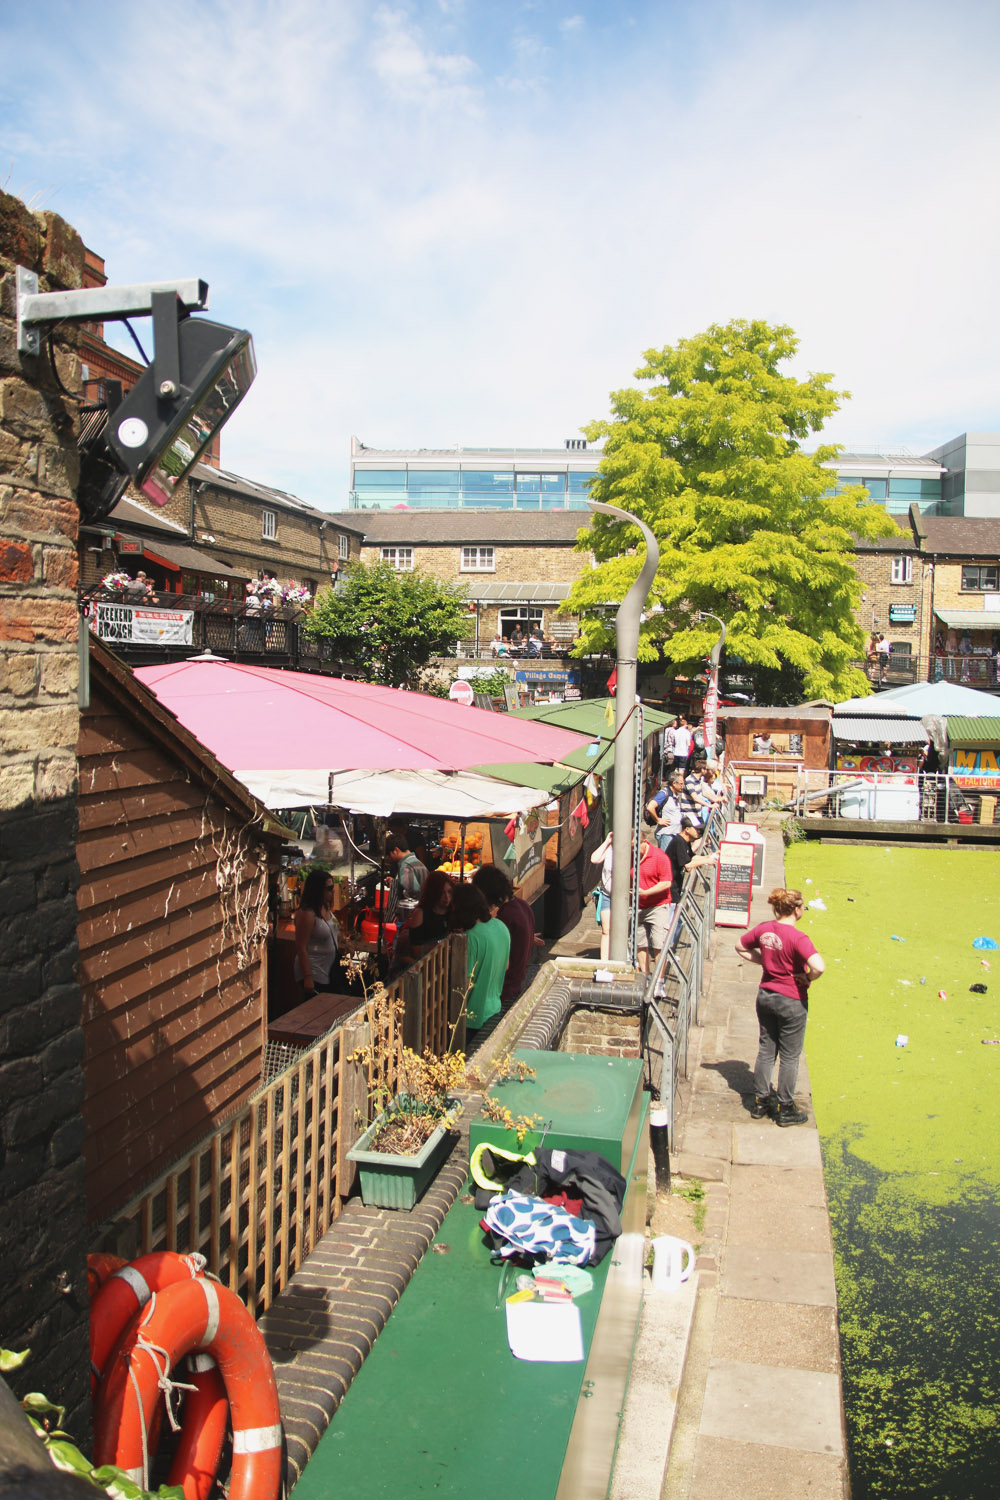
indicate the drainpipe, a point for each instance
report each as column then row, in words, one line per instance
column 627, row 622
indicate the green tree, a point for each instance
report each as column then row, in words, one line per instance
column 709, row 455
column 390, row 624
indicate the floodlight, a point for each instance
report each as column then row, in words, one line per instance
column 200, row 373
column 167, row 421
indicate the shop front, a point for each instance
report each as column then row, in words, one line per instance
column 966, row 647
column 974, row 764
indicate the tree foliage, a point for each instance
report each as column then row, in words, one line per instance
column 708, row 453
column 389, row 624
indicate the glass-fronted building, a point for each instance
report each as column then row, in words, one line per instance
column 531, row 479
column 895, row 480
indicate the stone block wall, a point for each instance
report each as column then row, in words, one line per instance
column 602, row 1034
column 43, row 1284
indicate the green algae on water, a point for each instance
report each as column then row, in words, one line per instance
column 912, row 1158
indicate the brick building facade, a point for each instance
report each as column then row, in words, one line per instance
column 43, row 1283
column 518, row 568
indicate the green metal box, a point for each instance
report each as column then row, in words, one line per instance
column 586, row 1104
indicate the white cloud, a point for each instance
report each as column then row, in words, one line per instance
column 427, row 254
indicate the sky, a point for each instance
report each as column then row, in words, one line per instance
column 463, row 221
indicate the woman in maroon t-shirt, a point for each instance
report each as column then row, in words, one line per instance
column 790, row 964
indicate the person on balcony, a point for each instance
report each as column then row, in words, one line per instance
column 516, row 639
column 498, row 646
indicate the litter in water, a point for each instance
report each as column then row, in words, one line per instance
column 897, row 939
column 902, row 1040
column 818, row 905
column 942, row 994
column 986, row 944
column 977, row 989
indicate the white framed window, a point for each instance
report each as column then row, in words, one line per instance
column 902, row 569
column 478, row 560
column 400, row 558
column 269, row 525
column 343, row 546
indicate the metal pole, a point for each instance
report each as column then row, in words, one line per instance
column 627, row 622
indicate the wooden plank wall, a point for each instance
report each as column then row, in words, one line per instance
column 172, row 922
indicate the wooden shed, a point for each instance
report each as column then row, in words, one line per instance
column 778, row 741
column 175, row 857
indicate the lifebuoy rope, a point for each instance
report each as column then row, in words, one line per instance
column 163, row 1380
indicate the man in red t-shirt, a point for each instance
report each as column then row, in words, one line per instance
column 790, row 964
column 655, row 879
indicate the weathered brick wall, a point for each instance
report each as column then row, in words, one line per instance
column 948, row 591
column 43, row 1284
column 601, row 1034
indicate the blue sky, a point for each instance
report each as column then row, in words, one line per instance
column 462, row 221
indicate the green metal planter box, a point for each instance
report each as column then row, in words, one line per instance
column 390, row 1181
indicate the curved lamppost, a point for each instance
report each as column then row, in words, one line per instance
column 627, row 622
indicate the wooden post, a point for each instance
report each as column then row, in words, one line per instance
column 352, row 1110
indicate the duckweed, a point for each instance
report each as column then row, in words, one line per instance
column 912, row 1159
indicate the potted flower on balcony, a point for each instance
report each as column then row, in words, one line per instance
column 415, row 1102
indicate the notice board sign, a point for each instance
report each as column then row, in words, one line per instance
column 734, row 887
column 748, row 833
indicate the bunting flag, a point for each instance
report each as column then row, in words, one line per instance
column 613, row 680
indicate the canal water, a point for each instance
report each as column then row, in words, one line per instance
column 906, row 1089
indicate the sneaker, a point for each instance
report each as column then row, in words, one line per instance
column 790, row 1114
column 763, row 1108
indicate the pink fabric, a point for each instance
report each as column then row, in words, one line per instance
column 783, row 950
column 261, row 718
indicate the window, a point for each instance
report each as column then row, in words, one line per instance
column 902, row 569
column 269, row 529
column 400, row 558
column 478, row 560
column 343, row 546
column 980, row 577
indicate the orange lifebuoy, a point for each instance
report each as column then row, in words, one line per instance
column 188, row 1316
column 99, row 1267
column 203, row 1431
column 125, row 1293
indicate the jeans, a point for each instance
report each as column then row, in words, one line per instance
column 782, row 1032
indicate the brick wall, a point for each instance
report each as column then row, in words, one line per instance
column 513, row 564
column 43, row 1284
column 601, row 1034
column 300, row 549
column 874, row 569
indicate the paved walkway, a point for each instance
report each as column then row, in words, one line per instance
column 754, row 1409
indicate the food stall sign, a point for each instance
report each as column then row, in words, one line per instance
column 734, row 887
column 977, row 770
column 748, row 833
column 902, row 614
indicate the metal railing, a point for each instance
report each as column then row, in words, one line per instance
column 893, row 796
column 680, row 966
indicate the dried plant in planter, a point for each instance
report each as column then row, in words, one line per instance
column 507, row 1068
column 415, row 1094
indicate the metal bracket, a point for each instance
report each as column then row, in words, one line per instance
column 94, row 304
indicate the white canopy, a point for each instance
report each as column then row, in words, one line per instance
column 461, row 795
column 915, row 699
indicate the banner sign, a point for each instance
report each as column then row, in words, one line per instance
column 140, row 625
column 975, row 769
column 710, row 714
column 734, row 887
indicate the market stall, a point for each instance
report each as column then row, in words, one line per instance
column 974, row 763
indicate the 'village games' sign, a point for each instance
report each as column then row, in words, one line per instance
column 136, row 624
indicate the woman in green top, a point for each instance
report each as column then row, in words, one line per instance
column 489, row 952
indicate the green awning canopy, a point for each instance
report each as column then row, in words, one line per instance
column 592, row 716
column 552, row 779
column 967, row 731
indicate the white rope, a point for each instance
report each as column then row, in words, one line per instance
column 163, row 1381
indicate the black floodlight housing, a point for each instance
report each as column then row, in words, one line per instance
column 200, row 373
